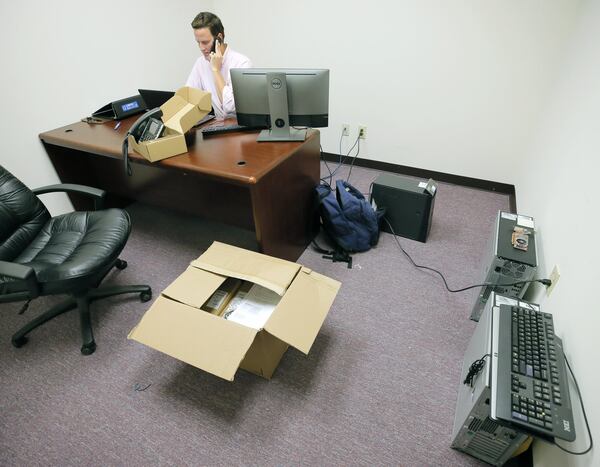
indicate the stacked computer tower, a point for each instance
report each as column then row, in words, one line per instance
column 511, row 259
column 475, row 432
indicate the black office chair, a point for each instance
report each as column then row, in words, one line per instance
column 67, row 254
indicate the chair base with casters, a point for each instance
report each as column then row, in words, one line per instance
column 82, row 301
column 68, row 254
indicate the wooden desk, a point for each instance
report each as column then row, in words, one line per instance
column 265, row 187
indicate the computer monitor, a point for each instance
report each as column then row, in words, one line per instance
column 279, row 98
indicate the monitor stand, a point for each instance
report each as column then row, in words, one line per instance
column 278, row 108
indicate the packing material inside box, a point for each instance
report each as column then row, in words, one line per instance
column 233, row 308
column 179, row 114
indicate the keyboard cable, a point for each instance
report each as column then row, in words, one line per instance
column 587, row 425
column 474, row 370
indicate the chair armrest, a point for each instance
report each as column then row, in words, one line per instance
column 21, row 273
column 95, row 193
column 15, row 270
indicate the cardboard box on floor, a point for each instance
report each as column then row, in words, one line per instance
column 176, row 325
column 180, row 113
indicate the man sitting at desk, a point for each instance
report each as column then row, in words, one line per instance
column 211, row 70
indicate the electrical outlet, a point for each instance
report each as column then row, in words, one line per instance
column 362, row 132
column 345, row 129
column 554, row 276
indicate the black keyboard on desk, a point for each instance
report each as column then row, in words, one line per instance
column 531, row 388
column 218, row 130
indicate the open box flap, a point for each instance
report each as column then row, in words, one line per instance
column 193, row 287
column 299, row 315
column 201, row 99
column 273, row 273
column 181, row 118
column 182, row 111
column 172, row 106
column 193, row 336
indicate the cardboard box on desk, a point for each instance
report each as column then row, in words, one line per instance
column 176, row 325
column 180, row 114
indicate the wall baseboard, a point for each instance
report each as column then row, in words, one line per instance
column 469, row 182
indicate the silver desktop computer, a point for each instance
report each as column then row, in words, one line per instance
column 475, row 432
column 511, row 257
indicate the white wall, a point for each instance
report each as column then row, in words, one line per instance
column 63, row 59
column 451, row 86
column 558, row 185
column 446, row 86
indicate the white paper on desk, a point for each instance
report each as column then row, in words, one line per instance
column 256, row 307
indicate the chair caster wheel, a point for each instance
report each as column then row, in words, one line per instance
column 145, row 296
column 88, row 349
column 19, row 341
column 121, row 264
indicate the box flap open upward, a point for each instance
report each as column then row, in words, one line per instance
column 302, row 310
column 172, row 106
column 194, row 336
column 181, row 119
column 201, row 99
column 273, row 273
column 193, row 287
column 182, row 111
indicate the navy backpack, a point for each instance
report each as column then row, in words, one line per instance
column 348, row 218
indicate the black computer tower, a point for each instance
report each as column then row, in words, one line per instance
column 409, row 205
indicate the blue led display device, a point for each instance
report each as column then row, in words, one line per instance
column 123, row 108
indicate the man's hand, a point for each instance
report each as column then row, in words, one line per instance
column 216, row 58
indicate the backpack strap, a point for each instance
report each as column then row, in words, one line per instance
column 340, row 256
column 322, row 192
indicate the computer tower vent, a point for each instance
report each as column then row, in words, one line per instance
column 475, row 424
column 512, row 269
column 490, row 426
column 483, row 446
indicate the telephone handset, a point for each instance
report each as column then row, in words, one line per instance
column 216, row 39
column 148, row 126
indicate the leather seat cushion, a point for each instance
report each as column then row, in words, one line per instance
column 75, row 246
column 22, row 216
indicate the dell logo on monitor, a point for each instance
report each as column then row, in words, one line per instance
column 276, row 83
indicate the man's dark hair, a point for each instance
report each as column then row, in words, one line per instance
column 210, row 21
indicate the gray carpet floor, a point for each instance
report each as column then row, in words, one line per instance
column 378, row 387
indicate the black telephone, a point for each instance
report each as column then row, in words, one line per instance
column 216, row 39
column 148, row 126
column 151, row 128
